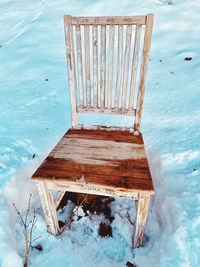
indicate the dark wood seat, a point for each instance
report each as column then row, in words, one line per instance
column 100, row 161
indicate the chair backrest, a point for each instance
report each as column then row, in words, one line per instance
column 102, row 73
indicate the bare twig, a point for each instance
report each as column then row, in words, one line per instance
column 28, row 209
column 18, row 213
column 63, row 229
column 28, row 237
column 74, row 212
column 129, row 219
column 35, row 239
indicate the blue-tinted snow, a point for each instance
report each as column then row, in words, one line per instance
column 35, row 113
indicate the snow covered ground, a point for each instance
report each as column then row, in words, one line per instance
column 35, row 113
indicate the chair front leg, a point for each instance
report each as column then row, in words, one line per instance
column 48, row 207
column 142, row 205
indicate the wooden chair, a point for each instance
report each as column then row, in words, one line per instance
column 103, row 78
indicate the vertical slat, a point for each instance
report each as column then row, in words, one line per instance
column 119, row 64
column 95, row 63
column 87, row 65
column 135, row 65
column 103, row 65
column 145, row 57
column 111, row 61
column 71, row 68
column 80, row 65
column 126, row 65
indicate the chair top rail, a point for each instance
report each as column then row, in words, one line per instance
column 109, row 20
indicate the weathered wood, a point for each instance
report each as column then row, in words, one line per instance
column 145, row 57
column 48, row 207
column 119, row 65
column 114, row 111
column 81, row 187
column 123, row 59
column 126, row 65
column 75, row 149
column 105, row 158
column 103, row 65
column 134, row 65
column 79, row 65
column 142, row 205
column 95, row 64
column 87, row 65
column 110, row 20
column 111, row 62
column 118, row 134
column 58, row 198
column 71, row 68
column 101, row 160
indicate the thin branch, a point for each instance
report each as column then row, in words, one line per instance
column 35, row 239
column 18, row 213
column 28, row 209
column 74, row 212
column 28, row 238
column 63, row 229
column 129, row 219
column 29, row 224
column 31, row 232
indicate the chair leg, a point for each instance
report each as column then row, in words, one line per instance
column 58, row 198
column 142, row 205
column 48, row 207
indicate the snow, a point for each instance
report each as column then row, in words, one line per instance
column 35, row 113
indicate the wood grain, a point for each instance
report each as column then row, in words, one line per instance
column 135, row 65
column 114, row 111
column 95, row 64
column 103, row 66
column 48, row 207
column 71, row 68
column 119, row 65
column 58, row 198
column 79, row 65
column 91, row 189
column 126, row 65
column 87, row 65
column 123, row 20
column 113, row 159
column 143, row 72
column 111, row 63
column 142, row 205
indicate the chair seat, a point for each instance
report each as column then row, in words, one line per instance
column 103, row 161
